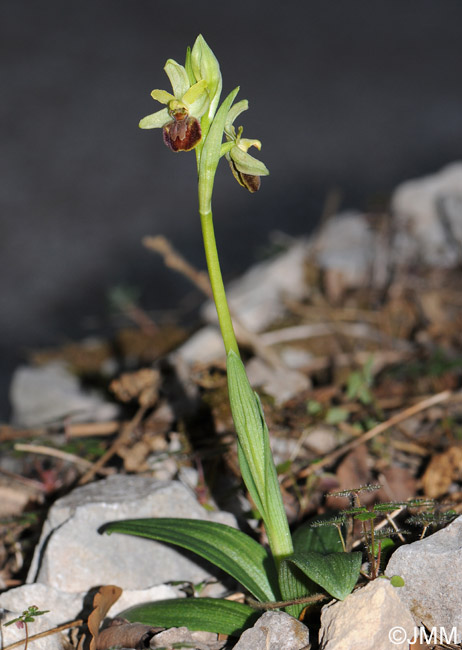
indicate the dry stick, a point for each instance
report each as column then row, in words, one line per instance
column 84, row 429
column 56, row 453
column 174, row 260
column 121, row 439
column 380, row 428
column 41, row 635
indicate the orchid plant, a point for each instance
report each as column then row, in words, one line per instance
column 286, row 575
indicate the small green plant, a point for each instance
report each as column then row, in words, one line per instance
column 377, row 541
column 28, row 616
column 288, row 574
column 359, row 383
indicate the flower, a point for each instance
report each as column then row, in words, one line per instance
column 245, row 168
column 180, row 120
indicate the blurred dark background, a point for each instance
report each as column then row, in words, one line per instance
column 352, row 95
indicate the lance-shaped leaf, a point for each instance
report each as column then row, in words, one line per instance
column 227, row 548
column 206, row 614
column 210, row 154
column 337, row 573
column 256, row 460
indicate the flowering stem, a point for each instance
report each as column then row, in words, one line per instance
column 257, row 465
column 216, row 280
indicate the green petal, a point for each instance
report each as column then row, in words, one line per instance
column 195, row 92
column 156, row 120
column 245, row 144
column 178, row 78
column 234, row 111
column 162, row 96
column 247, row 164
column 197, row 98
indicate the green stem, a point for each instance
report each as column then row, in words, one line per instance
column 216, row 280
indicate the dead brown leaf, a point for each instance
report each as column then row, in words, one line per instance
column 353, row 471
column 442, row 470
column 398, row 484
column 142, row 385
column 122, row 634
column 102, row 603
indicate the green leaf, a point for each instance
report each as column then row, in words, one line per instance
column 365, row 516
column 337, row 573
column 313, row 407
column 210, row 154
column 227, row 548
column 397, row 581
column 259, row 471
column 205, row 614
column 336, row 414
column 294, row 584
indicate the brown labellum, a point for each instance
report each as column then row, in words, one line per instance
column 249, row 181
column 183, row 132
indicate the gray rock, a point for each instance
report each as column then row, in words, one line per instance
column 428, row 218
column 371, row 618
column 275, row 631
column 257, row 297
column 63, row 607
column 72, row 556
column 432, row 569
column 205, row 346
column 175, row 637
column 347, row 245
column 51, row 393
column 281, row 383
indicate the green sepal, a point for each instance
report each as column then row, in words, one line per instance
column 247, row 164
column 205, row 614
column 205, row 66
column 155, row 120
column 178, row 78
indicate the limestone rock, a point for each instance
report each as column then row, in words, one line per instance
column 275, row 631
column 49, row 393
column 428, row 216
column 72, row 556
column 371, row 618
column 257, row 297
column 346, row 247
column 431, row 569
column 281, row 383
